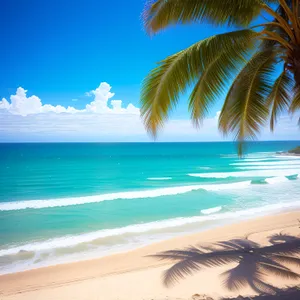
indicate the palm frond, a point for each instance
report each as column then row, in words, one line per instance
column 161, row 88
column 280, row 96
column 219, row 69
column 159, row 14
column 295, row 104
column 266, row 44
column 244, row 111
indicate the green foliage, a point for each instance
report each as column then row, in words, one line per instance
column 209, row 61
column 295, row 105
column 280, row 96
column 295, row 150
column 220, row 63
column 162, row 13
column 246, row 58
column 245, row 110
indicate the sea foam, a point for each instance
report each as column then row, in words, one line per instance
column 38, row 204
column 254, row 159
column 211, row 210
column 275, row 180
column 266, row 163
column 74, row 240
column 265, row 167
column 256, row 173
column 287, row 156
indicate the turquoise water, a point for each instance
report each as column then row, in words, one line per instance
column 66, row 202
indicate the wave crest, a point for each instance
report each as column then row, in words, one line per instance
column 74, row 240
column 211, row 210
column 38, row 204
column 256, row 173
column 278, row 179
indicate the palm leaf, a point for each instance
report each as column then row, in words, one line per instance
column 161, row 13
column 266, row 44
column 295, row 104
column 161, row 88
column 279, row 98
column 215, row 76
column 244, row 111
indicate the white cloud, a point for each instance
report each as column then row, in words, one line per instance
column 102, row 95
column 26, row 118
column 21, row 104
column 4, row 104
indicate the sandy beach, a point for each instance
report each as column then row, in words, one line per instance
column 134, row 275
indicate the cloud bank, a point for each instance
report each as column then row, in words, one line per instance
column 22, row 105
column 26, row 118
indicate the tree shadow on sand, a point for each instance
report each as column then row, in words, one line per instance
column 254, row 262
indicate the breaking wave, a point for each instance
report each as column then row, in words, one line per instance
column 265, row 167
column 269, row 163
column 278, row 179
column 211, row 210
column 37, row 204
column 74, row 240
column 256, row 173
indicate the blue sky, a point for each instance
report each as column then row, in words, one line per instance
column 60, row 51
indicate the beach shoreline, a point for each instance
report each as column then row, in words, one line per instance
column 74, row 280
column 196, row 224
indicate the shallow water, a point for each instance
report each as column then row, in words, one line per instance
column 64, row 202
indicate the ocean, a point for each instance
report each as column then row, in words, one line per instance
column 64, row 202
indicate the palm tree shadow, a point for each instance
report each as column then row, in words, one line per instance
column 281, row 238
column 253, row 262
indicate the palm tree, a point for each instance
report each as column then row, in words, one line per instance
column 247, row 58
column 254, row 262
